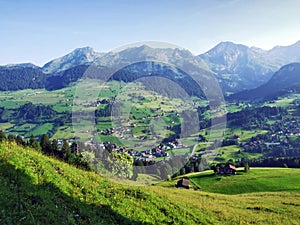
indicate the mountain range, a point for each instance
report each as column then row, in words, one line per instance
column 285, row 80
column 237, row 67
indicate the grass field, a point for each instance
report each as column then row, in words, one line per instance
column 257, row 180
column 42, row 129
column 284, row 101
column 64, row 132
column 234, row 152
column 41, row 190
column 4, row 126
column 245, row 135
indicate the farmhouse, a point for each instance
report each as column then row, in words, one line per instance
column 227, row 169
column 183, row 183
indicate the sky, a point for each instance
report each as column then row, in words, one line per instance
column 38, row 31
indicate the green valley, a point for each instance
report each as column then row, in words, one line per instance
column 149, row 133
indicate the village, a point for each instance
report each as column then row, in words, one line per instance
column 282, row 135
column 160, row 151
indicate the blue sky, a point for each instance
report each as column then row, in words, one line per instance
column 39, row 30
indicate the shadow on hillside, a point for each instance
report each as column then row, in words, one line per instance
column 22, row 202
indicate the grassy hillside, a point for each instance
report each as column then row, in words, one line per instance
column 41, row 190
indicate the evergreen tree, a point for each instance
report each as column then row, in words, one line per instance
column 75, row 148
column 246, row 167
column 54, row 147
column 66, row 151
column 11, row 138
column 32, row 142
column 2, row 136
column 45, row 144
column 182, row 171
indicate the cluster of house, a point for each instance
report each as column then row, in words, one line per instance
column 95, row 103
column 70, row 141
column 285, row 128
column 119, row 131
column 147, row 155
column 151, row 154
column 278, row 135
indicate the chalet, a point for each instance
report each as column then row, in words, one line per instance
column 183, row 183
column 227, row 169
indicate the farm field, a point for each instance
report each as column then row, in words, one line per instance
column 133, row 117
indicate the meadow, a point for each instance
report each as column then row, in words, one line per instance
column 256, row 180
column 38, row 189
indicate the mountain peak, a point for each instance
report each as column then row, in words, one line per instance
column 86, row 49
column 79, row 56
column 230, row 45
column 227, row 43
column 166, row 54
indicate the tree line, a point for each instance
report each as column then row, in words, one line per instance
column 66, row 153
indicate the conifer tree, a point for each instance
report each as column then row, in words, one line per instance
column 32, row 142
column 45, row 144
column 11, row 138
column 2, row 136
column 54, row 147
column 66, row 151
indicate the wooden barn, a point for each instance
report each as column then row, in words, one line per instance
column 227, row 170
column 183, row 183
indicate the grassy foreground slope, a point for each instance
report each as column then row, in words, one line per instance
column 36, row 189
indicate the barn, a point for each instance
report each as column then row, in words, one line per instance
column 183, row 183
column 227, row 169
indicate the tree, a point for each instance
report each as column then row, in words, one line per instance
column 246, row 167
column 182, row 171
column 88, row 156
column 75, row 148
column 32, row 142
column 2, row 136
column 79, row 161
column 216, row 169
column 45, row 144
column 66, row 151
column 54, row 147
column 120, row 164
column 11, row 138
